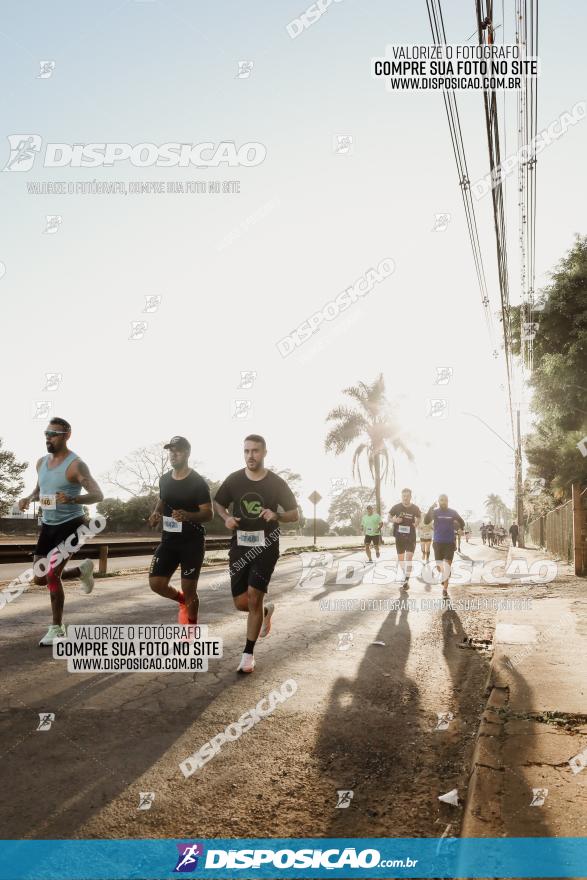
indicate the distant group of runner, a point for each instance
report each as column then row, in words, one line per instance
column 440, row 527
column 494, row 536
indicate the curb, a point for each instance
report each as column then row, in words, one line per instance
column 486, row 765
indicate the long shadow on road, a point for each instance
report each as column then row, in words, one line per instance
column 114, row 734
column 362, row 740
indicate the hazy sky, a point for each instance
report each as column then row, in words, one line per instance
column 238, row 272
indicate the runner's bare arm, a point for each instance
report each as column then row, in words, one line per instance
column 155, row 517
column 231, row 522
column 81, row 474
column 34, row 496
column 284, row 516
column 204, row 514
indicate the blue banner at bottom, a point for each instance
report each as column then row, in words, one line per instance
column 365, row 857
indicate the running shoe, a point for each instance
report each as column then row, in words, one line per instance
column 445, row 594
column 247, row 663
column 55, row 631
column 406, row 584
column 266, row 628
column 86, row 575
column 182, row 614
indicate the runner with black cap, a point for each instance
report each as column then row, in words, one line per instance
column 256, row 495
column 184, row 505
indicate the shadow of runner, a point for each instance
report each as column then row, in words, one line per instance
column 116, row 736
column 362, row 740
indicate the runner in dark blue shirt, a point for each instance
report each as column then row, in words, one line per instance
column 446, row 522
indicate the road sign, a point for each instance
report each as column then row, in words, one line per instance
column 315, row 497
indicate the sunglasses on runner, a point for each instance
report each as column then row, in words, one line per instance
column 54, row 433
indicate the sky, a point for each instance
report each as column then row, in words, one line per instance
column 239, row 271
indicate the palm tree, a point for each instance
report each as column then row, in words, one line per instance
column 374, row 424
column 506, row 515
column 491, row 506
column 497, row 509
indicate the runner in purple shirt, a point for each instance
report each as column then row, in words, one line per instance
column 446, row 522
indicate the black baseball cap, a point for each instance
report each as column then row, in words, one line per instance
column 178, row 443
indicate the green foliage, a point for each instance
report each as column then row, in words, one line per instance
column 348, row 507
column 127, row 516
column 11, row 482
column 322, row 527
column 559, row 378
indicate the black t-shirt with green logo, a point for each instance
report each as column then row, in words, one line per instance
column 249, row 497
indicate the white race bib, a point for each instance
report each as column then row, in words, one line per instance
column 250, row 539
column 47, row 502
column 171, row 525
column 404, row 530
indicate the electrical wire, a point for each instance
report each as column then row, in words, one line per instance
column 452, row 112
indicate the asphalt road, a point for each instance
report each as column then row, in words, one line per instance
column 363, row 717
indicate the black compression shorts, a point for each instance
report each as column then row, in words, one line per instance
column 405, row 544
column 188, row 555
column 51, row 536
column 375, row 539
column 250, row 569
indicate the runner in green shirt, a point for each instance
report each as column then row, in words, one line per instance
column 372, row 524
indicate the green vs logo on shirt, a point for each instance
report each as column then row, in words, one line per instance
column 251, row 505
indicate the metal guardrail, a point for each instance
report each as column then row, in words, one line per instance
column 102, row 550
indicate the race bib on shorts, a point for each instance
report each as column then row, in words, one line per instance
column 47, row 502
column 250, row 539
column 171, row 525
column 404, row 530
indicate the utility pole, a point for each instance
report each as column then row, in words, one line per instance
column 519, row 485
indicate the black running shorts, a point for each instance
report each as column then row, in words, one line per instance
column 443, row 550
column 250, row 569
column 372, row 539
column 51, row 536
column 188, row 555
column 405, row 545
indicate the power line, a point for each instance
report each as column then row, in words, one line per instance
column 454, row 124
column 486, row 35
column 527, row 41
